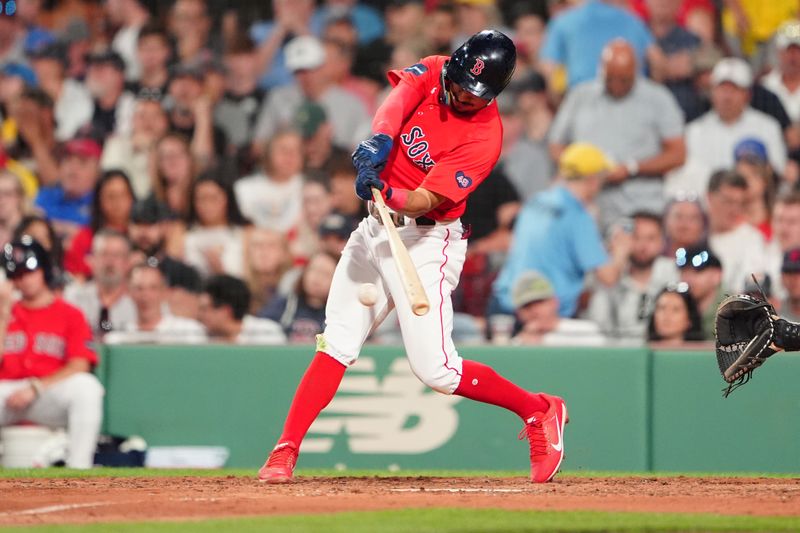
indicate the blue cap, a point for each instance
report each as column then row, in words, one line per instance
column 38, row 39
column 752, row 150
column 26, row 73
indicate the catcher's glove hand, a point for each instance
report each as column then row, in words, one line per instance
column 745, row 329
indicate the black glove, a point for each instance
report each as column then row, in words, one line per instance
column 373, row 152
column 746, row 329
column 368, row 178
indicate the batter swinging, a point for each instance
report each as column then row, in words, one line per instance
column 437, row 137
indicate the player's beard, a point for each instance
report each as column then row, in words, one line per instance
column 450, row 100
column 463, row 112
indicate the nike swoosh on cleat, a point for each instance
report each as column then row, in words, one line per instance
column 558, row 446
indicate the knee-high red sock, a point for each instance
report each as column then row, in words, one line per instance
column 314, row 393
column 481, row 383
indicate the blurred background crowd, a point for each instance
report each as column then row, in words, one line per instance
column 186, row 164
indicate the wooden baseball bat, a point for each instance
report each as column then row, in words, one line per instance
column 408, row 272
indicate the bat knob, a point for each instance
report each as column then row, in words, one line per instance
column 421, row 308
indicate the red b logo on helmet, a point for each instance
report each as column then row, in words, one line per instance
column 477, row 68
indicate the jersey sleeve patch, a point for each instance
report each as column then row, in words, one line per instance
column 417, row 69
column 462, row 180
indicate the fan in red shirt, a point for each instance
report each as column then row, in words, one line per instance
column 437, row 137
column 46, row 363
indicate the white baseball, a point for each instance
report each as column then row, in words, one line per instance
column 368, row 294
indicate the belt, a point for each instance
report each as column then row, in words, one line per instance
column 398, row 219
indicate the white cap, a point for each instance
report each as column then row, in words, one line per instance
column 733, row 70
column 788, row 34
column 304, row 53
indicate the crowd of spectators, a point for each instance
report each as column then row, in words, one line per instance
column 186, row 164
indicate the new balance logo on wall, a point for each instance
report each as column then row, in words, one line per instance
column 398, row 414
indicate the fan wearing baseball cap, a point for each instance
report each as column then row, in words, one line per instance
column 712, row 138
column 752, row 162
column 320, row 153
column 558, row 226
column 305, row 58
column 68, row 203
column 536, row 310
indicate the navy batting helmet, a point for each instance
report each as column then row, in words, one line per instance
column 26, row 255
column 483, row 65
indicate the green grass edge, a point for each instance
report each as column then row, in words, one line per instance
column 443, row 520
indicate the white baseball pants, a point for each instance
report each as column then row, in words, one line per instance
column 438, row 253
column 75, row 403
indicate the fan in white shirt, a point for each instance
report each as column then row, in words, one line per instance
column 738, row 244
column 154, row 324
column 214, row 243
column 272, row 198
column 712, row 138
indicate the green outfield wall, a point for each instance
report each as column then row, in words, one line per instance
column 631, row 409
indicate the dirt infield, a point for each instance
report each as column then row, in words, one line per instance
column 46, row 501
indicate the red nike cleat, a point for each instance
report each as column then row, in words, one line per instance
column 279, row 467
column 545, row 432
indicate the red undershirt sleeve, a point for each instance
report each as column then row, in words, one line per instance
column 392, row 113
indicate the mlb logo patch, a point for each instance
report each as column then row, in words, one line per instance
column 463, row 180
column 417, row 70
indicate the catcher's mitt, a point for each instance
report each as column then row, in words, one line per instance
column 745, row 329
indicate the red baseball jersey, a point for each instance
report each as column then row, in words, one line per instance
column 439, row 150
column 39, row 342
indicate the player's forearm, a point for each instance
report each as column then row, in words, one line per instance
column 391, row 114
column 413, row 203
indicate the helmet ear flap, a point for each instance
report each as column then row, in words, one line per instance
column 444, row 93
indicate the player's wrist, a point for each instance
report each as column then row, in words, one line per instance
column 396, row 199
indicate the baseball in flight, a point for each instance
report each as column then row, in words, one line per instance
column 368, row 294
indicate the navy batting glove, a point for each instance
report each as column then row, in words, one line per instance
column 368, row 178
column 373, row 152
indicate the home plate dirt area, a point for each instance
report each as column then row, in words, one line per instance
column 46, row 501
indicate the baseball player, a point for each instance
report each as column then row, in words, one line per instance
column 46, row 361
column 436, row 138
